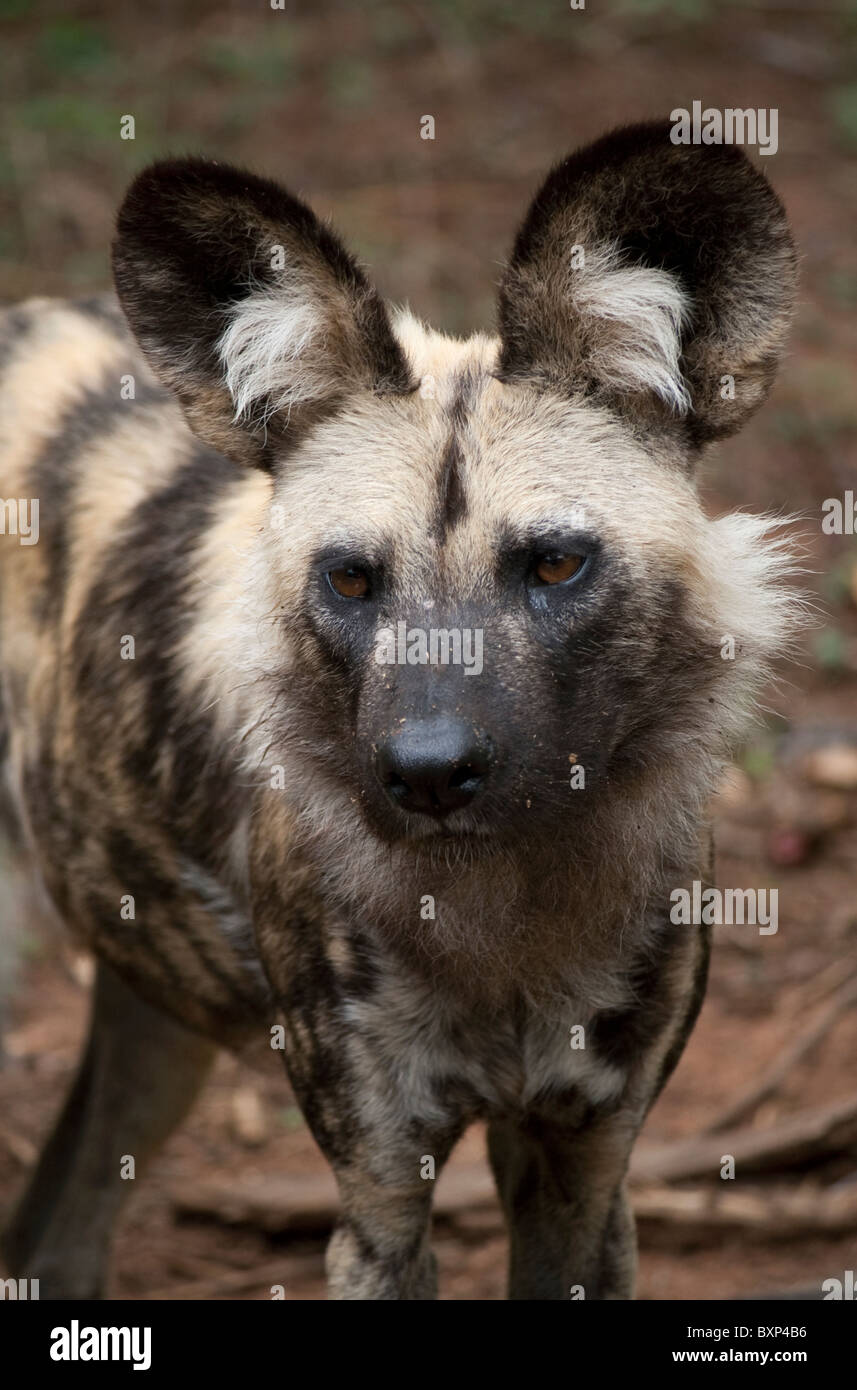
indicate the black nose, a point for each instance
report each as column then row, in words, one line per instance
column 434, row 766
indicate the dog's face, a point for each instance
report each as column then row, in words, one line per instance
column 501, row 591
column 482, row 630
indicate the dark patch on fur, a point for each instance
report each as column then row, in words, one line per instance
column 54, row 473
column 126, row 941
column 452, row 501
column 318, row 1058
column 143, row 592
column 362, row 980
column 694, row 1004
column 104, row 309
column 621, row 1036
column 133, row 866
column 15, row 325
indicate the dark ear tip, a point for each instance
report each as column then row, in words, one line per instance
column 642, row 139
column 168, row 183
column 185, row 201
column 170, row 179
column 640, row 164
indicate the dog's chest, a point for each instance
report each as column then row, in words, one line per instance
column 435, row 1058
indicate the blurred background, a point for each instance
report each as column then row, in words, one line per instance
column 329, row 98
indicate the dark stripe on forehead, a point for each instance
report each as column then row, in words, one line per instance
column 468, row 385
column 452, row 504
column 452, row 501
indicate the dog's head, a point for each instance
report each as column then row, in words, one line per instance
column 500, row 595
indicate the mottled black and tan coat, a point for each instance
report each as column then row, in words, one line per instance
column 390, row 861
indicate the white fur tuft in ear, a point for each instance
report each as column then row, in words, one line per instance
column 274, row 352
column 640, row 312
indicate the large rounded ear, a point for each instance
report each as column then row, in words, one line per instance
column 246, row 305
column 656, row 276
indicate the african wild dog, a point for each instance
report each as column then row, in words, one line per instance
column 393, row 860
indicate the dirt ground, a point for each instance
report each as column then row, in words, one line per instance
column 329, row 98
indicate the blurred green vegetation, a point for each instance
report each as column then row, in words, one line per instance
column 831, row 651
column 838, row 583
column 843, row 104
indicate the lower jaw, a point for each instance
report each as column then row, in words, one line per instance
column 417, row 837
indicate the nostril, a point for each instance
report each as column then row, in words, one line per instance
column 462, row 775
column 396, row 785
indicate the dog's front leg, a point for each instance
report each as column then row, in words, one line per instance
column 571, row 1233
column 383, row 1153
column 353, row 1085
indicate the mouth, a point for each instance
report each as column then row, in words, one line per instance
column 425, row 832
column 454, row 834
column 447, row 835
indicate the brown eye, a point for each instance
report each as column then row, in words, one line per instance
column 555, row 569
column 349, row 582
